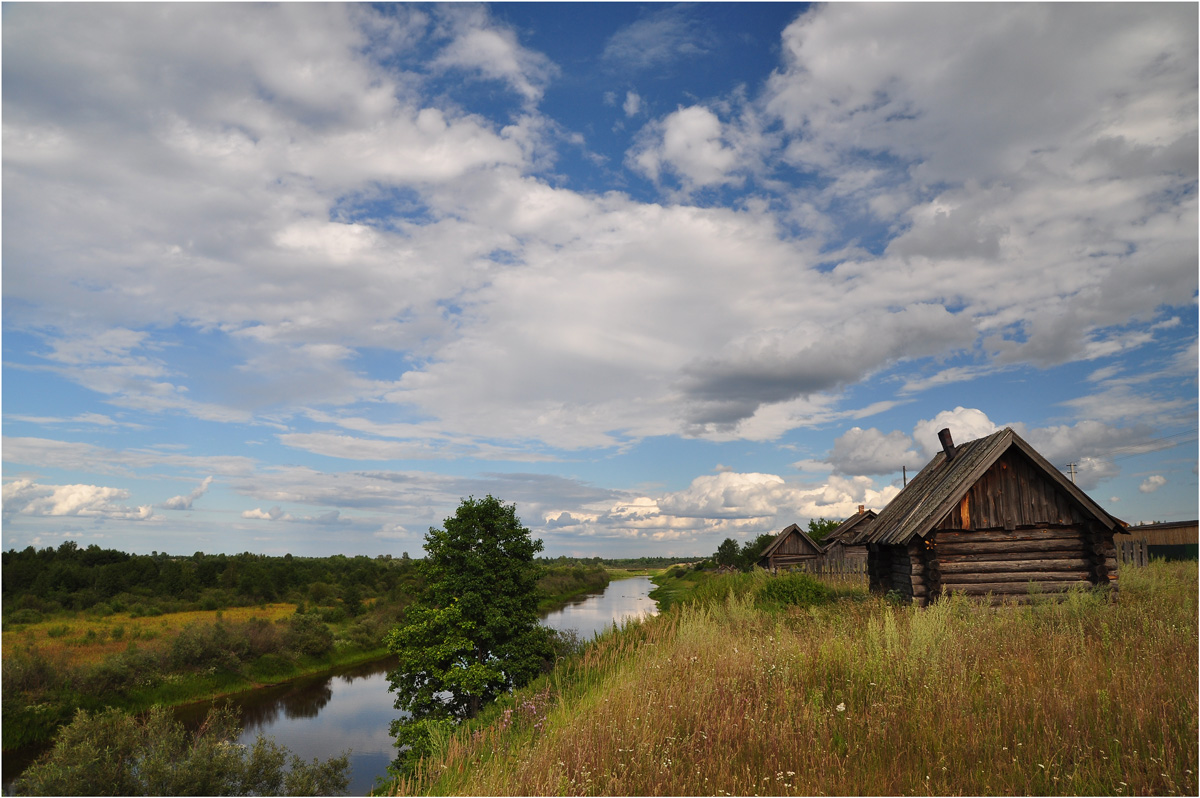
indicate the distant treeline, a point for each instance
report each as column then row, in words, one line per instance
column 46, row 581
column 637, row 563
column 70, row 578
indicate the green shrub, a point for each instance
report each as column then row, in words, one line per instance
column 58, row 630
column 115, row 753
column 306, row 634
column 793, row 589
column 24, row 616
column 333, row 614
column 271, row 666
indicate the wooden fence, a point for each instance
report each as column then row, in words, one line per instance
column 1132, row 552
column 835, row 566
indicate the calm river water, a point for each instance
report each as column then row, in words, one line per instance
column 323, row 716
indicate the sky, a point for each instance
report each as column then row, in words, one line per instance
column 299, row 278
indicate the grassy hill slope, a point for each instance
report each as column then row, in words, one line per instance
column 734, row 694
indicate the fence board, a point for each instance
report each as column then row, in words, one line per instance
column 1132, row 552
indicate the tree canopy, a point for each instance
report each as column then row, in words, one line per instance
column 746, row 557
column 474, row 632
column 819, row 528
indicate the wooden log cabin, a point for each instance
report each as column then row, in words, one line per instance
column 790, row 547
column 839, row 544
column 989, row 517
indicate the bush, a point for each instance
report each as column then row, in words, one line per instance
column 115, row 753
column 794, row 589
column 332, row 614
column 201, row 646
column 271, row 666
column 306, row 634
column 23, row 616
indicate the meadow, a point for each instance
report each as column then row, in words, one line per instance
column 81, row 639
column 735, row 693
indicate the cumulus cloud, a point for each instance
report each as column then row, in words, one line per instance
column 869, row 451
column 25, row 497
column 1152, row 483
column 715, row 506
column 965, row 424
column 990, row 180
column 479, row 45
column 185, row 502
column 688, row 143
column 274, row 514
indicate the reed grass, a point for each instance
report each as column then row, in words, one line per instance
column 858, row 697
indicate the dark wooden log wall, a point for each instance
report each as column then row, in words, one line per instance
column 1003, row 563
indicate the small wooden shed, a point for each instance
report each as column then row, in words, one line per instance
column 839, row 544
column 990, row 516
column 790, row 547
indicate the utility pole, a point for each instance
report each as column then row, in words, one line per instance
column 904, row 472
column 1072, row 467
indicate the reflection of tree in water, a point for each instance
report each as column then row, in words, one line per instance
column 266, row 706
column 296, row 700
column 309, row 702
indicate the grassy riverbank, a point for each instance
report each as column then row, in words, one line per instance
column 562, row 583
column 732, row 693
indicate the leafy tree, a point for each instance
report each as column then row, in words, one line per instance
column 753, row 549
column 727, row 552
column 818, row 528
column 115, row 753
column 474, row 631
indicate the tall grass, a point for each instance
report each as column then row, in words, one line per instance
column 720, row 696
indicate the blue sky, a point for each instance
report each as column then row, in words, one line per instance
column 298, row 278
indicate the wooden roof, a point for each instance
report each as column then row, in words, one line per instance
column 782, row 536
column 849, row 528
column 940, row 486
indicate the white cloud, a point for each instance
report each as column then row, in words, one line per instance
column 25, row 497
column 715, row 506
column 479, row 45
column 632, row 105
column 274, row 514
column 185, row 502
column 657, row 40
column 1035, row 201
column 965, row 424
column 688, row 143
column 1091, row 471
column 869, row 451
column 1152, row 483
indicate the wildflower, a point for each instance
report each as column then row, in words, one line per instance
column 841, row 707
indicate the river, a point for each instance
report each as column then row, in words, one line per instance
column 326, row 715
